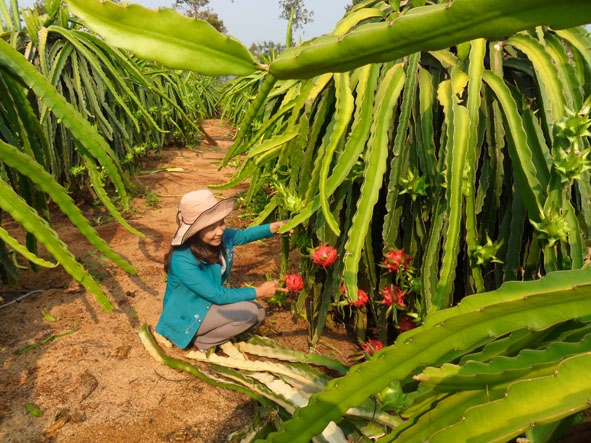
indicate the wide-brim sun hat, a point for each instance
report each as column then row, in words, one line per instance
column 198, row 210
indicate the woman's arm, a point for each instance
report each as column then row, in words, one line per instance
column 243, row 236
column 205, row 282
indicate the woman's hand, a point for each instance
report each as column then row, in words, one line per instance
column 269, row 288
column 276, row 225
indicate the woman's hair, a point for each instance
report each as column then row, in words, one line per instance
column 202, row 252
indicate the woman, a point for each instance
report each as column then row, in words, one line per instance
column 197, row 309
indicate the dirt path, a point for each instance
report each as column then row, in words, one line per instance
column 96, row 383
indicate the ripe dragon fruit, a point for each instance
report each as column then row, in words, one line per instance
column 324, row 256
column 294, row 282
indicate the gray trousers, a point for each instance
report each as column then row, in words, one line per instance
column 223, row 322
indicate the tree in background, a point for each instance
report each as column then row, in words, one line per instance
column 199, row 9
column 295, row 11
column 266, row 50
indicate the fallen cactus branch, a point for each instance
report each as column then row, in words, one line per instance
column 286, row 383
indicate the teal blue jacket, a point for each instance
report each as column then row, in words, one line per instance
column 191, row 289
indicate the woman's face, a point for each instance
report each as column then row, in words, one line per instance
column 212, row 235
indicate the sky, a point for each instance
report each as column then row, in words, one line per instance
column 256, row 21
